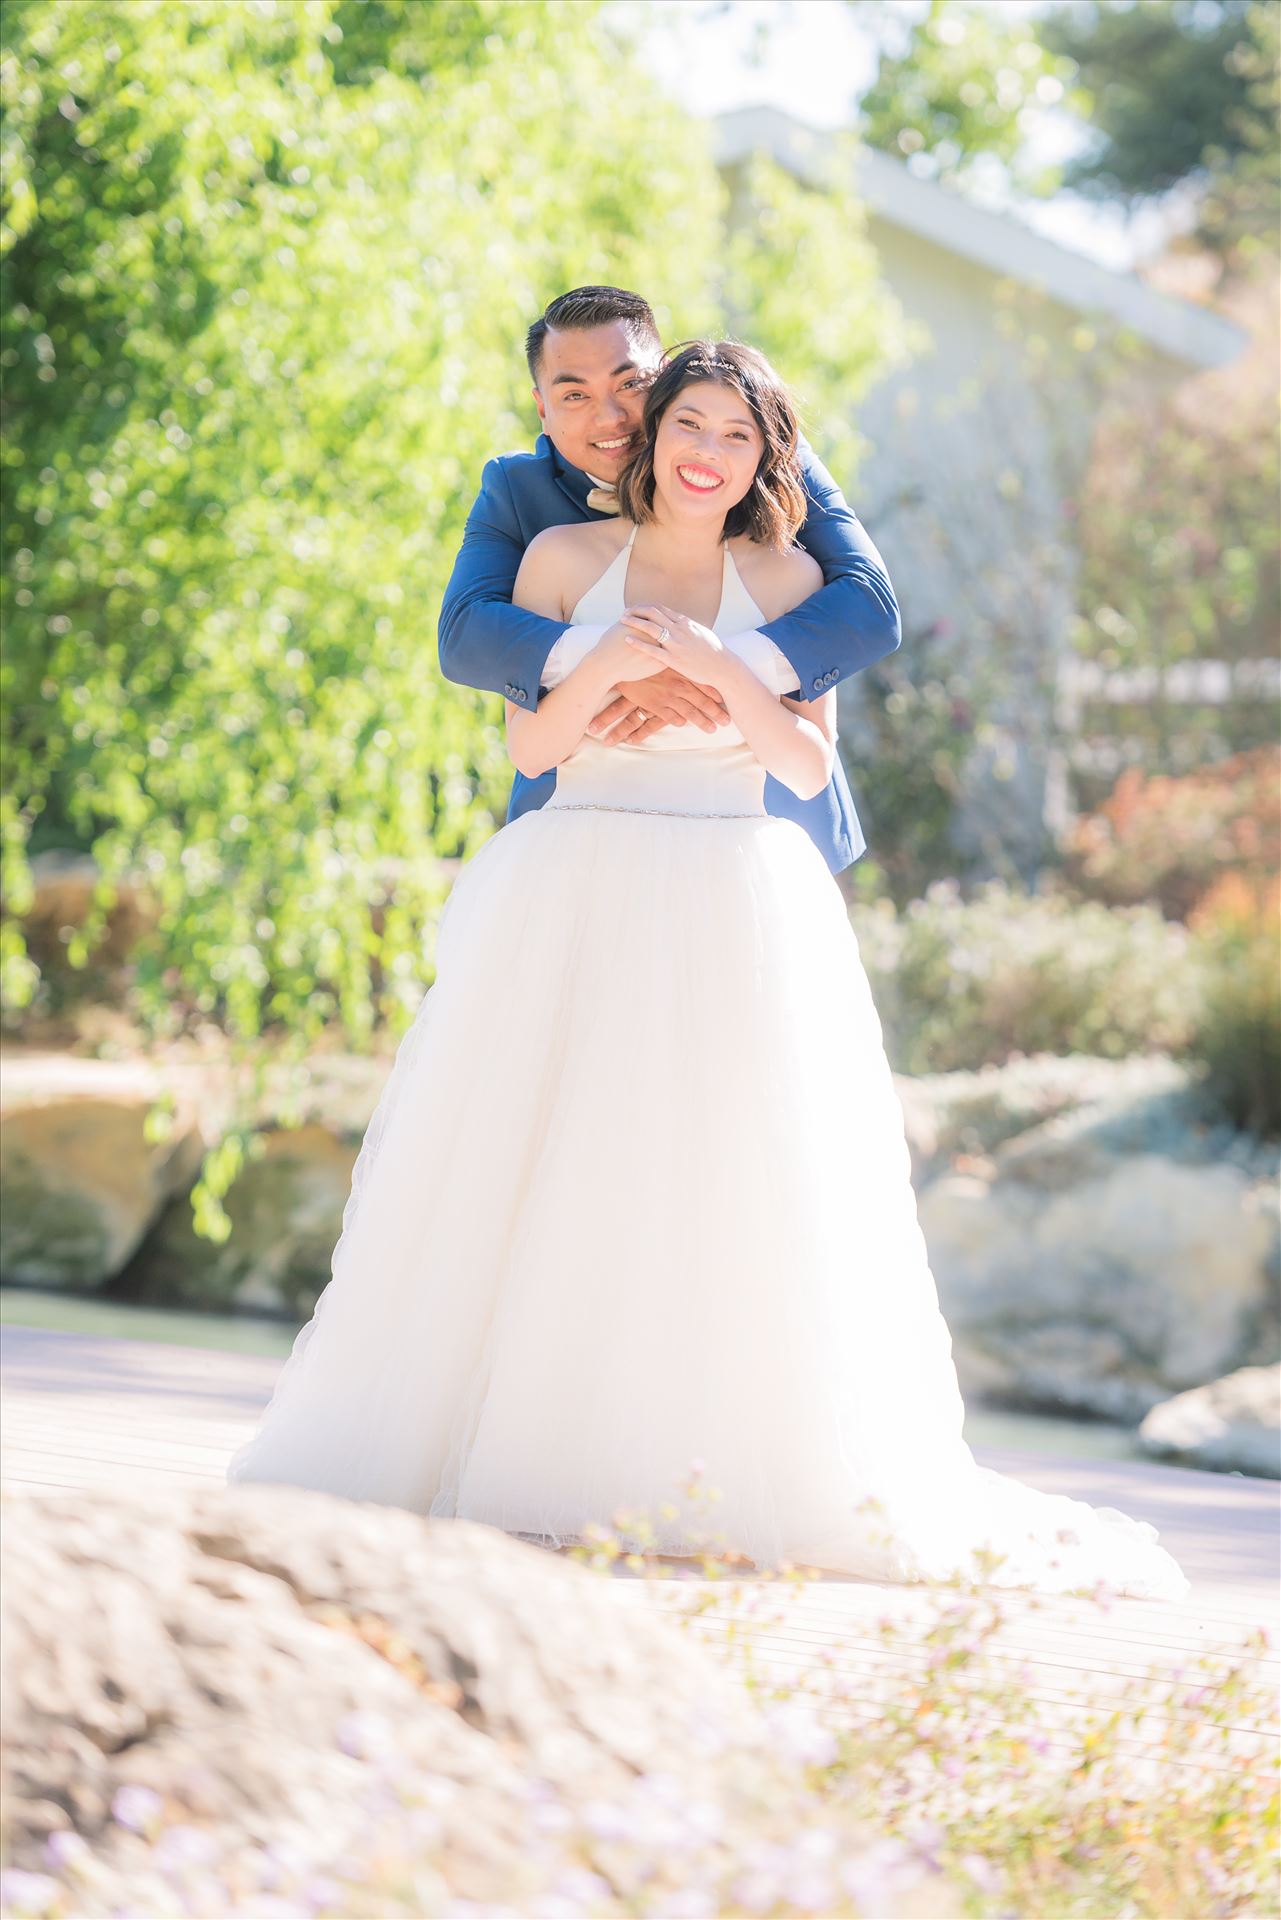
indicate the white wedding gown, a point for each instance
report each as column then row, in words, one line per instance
column 637, row 1194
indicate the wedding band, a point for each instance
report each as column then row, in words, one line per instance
column 664, row 635
column 640, row 715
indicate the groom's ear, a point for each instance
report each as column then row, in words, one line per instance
column 538, row 402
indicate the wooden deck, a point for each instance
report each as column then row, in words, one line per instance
column 79, row 1410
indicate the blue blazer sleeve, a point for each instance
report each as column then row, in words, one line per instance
column 484, row 640
column 853, row 619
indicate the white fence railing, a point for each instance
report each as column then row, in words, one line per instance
column 1210, row 683
column 1092, row 749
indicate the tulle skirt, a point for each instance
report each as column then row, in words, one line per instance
column 636, row 1202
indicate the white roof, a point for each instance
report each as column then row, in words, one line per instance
column 1002, row 244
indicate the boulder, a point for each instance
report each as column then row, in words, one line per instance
column 88, row 1200
column 80, row 1183
column 974, row 1112
column 1081, row 1269
column 64, row 884
column 920, row 1124
column 1232, row 1425
column 221, row 1699
column 285, row 1208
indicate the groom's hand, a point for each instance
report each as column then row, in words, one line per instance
column 667, row 699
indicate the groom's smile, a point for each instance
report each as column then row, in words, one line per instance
column 590, row 394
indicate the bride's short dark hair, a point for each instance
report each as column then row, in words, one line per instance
column 773, row 509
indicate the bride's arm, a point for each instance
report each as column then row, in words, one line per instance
column 541, row 738
column 795, row 740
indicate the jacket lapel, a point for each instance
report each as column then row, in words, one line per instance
column 572, row 481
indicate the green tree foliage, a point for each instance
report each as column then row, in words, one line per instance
column 267, row 268
column 260, row 333
column 427, row 44
column 1180, row 91
column 963, row 91
column 1169, row 91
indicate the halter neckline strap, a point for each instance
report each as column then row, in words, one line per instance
column 727, row 559
column 605, row 599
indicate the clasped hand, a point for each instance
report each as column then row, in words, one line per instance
column 670, row 683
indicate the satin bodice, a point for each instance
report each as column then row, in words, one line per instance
column 680, row 769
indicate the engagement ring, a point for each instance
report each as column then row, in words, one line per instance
column 664, row 635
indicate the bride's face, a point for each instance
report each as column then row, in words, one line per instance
column 706, row 451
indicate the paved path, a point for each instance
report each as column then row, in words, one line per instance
column 82, row 1410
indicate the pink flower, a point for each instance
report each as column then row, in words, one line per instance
column 27, row 1893
column 138, row 1808
column 63, row 1849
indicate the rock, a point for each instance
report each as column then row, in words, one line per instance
column 427, row 1708
column 975, row 1112
column 286, row 1209
column 80, row 1184
column 86, row 1200
column 63, row 887
column 1231, row 1425
column 920, row 1124
column 1083, row 1270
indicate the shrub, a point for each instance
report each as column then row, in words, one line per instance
column 1170, row 839
column 967, row 983
column 1237, row 929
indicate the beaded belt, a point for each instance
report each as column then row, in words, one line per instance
column 670, row 813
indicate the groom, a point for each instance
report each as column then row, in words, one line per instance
column 591, row 357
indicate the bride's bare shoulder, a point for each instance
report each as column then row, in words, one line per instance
column 560, row 564
column 587, row 537
column 776, row 581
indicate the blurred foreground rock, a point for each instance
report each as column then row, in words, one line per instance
column 1233, row 1424
column 227, row 1691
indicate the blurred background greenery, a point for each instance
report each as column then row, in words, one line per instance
column 266, row 271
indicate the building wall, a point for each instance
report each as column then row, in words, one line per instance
column 978, row 448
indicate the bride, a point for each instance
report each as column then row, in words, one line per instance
column 637, row 1194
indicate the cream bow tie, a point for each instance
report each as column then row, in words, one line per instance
column 603, row 500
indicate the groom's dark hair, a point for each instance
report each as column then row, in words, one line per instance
column 590, row 307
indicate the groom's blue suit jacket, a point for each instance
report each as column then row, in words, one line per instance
column 486, row 642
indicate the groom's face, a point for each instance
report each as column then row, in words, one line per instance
column 591, row 395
